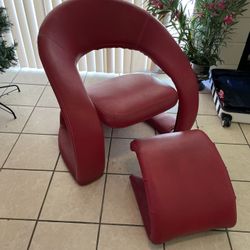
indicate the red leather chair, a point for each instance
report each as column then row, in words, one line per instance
column 77, row 27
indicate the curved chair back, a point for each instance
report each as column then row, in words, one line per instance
column 79, row 26
column 76, row 27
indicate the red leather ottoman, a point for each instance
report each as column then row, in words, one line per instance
column 185, row 186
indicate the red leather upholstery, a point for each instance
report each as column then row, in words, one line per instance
column 128, row 99
column 185, row 186
column 78, row 26
column 163, row 123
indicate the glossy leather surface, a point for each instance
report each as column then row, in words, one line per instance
column 163, row 123
column 70, row 31
column 185, row 186
column 128, row 99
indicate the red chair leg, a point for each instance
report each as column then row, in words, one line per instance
column 84, row 164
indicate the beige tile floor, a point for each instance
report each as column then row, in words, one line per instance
column 41, row 207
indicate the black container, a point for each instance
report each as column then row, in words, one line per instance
column 231, row 95
column 236, row 88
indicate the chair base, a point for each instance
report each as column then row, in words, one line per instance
column 182, row 192
column 163, row 123
column 3, row 106
column 7, row 109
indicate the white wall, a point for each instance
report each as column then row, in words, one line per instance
column 232, row 53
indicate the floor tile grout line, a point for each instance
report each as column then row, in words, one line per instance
column 41, row 106
column 18, row 219
column 103, row 194
column 229, row 240
column 5, row 83
column 30, row 105
column 35, row 105
column 11, row 82
column 217, row 230
column 241, row 181
column 29, row 84
column 17, row 73
column 25, row 133
column 40, row 211
column 215, row 142
column 238, row 231
column 74, row 222
column 108, row 173
column 33, row 109
column 30, row 169
column 5, row 89
column 20, row 133
column 14, row 77
column 30, row 133
column 243, row 133
column 130, row 138
column 66, row 171
column 120, row 225
column 233, row 144
column 215, row 115
column 19, row 105
column 8, row 155
column 112, row 224
column 37, row 133
column 228, row 143
column 70, row 222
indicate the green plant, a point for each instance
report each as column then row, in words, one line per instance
column 7, row 52
column 201, row 35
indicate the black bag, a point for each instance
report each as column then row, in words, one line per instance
column 233, row 89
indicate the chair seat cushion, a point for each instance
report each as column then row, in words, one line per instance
column 128, row 99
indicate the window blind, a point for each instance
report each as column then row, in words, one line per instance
column 27, row 16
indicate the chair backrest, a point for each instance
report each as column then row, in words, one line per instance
column 78, row 26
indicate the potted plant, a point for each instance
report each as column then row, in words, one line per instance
column 202, row 34
column 7, row 54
